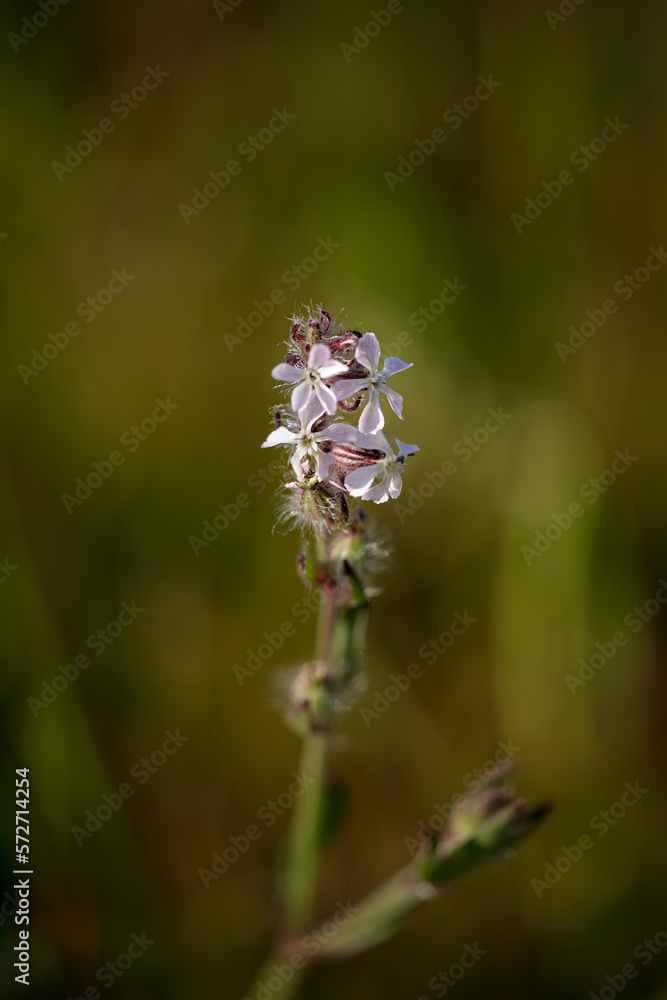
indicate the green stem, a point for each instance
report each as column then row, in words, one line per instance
column 302, row 857
column 341, row 639
column 378, row 916
column 348, row 642
column 267, row 973
column 299, row 885
column 325, row 627
column 384, row 911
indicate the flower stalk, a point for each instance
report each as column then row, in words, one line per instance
column 334, row 378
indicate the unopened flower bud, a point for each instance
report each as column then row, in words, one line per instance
column 350, row 549
column 296, row 333
column 346, row 341
column 485, row 824
column 315, row 506
column 348, row 457
column 314, row 332
column 311, row 571
column 309, row 708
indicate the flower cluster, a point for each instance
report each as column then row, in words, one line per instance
column 331, row 371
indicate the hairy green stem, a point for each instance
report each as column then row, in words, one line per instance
column 303, row 844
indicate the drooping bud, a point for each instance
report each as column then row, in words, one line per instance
column 484, row 825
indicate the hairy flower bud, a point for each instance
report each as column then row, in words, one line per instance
column 344, row 342
column 309, row 708
column 296, row 333
column 314, row 506
column 485, row 824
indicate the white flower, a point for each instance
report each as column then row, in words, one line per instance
column 307, row 443
column 368, row 355
column 389, row 469
column 310, row 381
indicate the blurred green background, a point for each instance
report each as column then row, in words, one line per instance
column 322, row 178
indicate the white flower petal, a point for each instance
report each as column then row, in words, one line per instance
column 394, row 365
column 372, row 419
column 323, row 465
column 300, row 396
column 406, row 449
column 378, row 494
column 368, row 352
column 349, row 387
column 395, row 485
column 357, row 482
column 332, row 368
column 319, row 355
column 395, row 401
column 295, row 462
column 337, row 432
column 334, row 479
column 287, row 373
column 377, row 442
column 281, row 435
column 326, row 397
column 310, row 412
